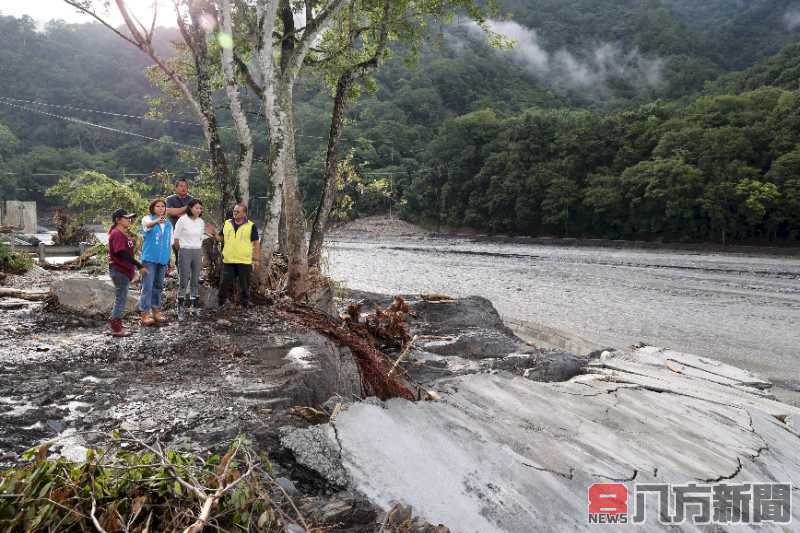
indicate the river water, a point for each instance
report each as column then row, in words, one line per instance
column 741, row 309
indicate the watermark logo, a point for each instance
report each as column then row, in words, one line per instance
column 608, row 503
column 718, row 503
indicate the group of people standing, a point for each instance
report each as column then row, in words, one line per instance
column 176, row 225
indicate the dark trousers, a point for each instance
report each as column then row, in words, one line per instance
column 230, row 273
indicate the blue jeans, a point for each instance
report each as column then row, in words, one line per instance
column 121, row 284
column 152, row 285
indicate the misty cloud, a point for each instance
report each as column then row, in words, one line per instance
column 590, row 72
column 792, row 18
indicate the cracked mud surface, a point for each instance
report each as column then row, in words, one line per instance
column 502, row 453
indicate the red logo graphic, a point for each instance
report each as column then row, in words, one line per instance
column 608, row 503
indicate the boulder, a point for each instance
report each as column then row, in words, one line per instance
column 542, row 365
column 467, row 327
column 315, row 447
column 90, row 297
column 475, row 344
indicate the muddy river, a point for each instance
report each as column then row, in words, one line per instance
column 741, row 309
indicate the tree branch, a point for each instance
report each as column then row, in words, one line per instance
column 98, row 18
column 314, row 28
column 187, row 37
column 239, row 119
column 94, row 518
column 155, row 15
column 248, row 76
column 144, row 44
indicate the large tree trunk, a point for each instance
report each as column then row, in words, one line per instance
column 271, row 232
column 279, row 72
column 219, row 164
column 267, row 13
column 283, row 243
column 293, row 205
column 331, row 172
column 242, row 128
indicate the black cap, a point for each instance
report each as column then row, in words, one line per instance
column 121, row 213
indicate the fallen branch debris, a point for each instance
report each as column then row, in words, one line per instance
column 402, row 354
column 175, row 491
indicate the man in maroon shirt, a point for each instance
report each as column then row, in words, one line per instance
column 122, row 266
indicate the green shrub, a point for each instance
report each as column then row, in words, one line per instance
column 14, row 262
column 96, row 195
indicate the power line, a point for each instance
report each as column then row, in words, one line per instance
column 137, row 117
column 107, row 128
column 123, row 173
column 109, row 113
column 392, row 173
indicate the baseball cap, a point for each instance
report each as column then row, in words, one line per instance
column 121, row 213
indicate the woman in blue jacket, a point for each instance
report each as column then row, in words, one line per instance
column 156, row 254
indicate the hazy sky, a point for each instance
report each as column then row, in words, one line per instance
column 44, row 10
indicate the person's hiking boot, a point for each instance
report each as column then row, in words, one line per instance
column 180, row 308
column 158, row 318
column 194, row 303
column 116, row 328
column 147, row 320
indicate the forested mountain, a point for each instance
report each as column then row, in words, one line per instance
column 620, row 118
column 74, row 67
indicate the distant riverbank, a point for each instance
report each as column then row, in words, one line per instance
column 383, row 226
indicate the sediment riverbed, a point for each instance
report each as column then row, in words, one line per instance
column 740, row 308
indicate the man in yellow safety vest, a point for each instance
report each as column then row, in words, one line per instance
column 241, row 250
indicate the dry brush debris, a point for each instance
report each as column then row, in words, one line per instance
column 138, row 487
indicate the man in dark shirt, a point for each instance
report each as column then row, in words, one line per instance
column 176, row 203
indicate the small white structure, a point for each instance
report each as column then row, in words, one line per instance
column 21, row 215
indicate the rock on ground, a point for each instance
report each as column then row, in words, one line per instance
column 90, row 297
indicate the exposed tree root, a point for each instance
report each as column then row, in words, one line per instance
column 375, row 369
column 69, row 230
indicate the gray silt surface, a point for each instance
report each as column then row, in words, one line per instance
column 741, row 309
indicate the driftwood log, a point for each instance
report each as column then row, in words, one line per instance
column 22, row 294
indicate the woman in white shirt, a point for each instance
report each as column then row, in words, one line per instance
column 189, row 234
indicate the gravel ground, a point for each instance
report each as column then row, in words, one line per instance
column 741, row 309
